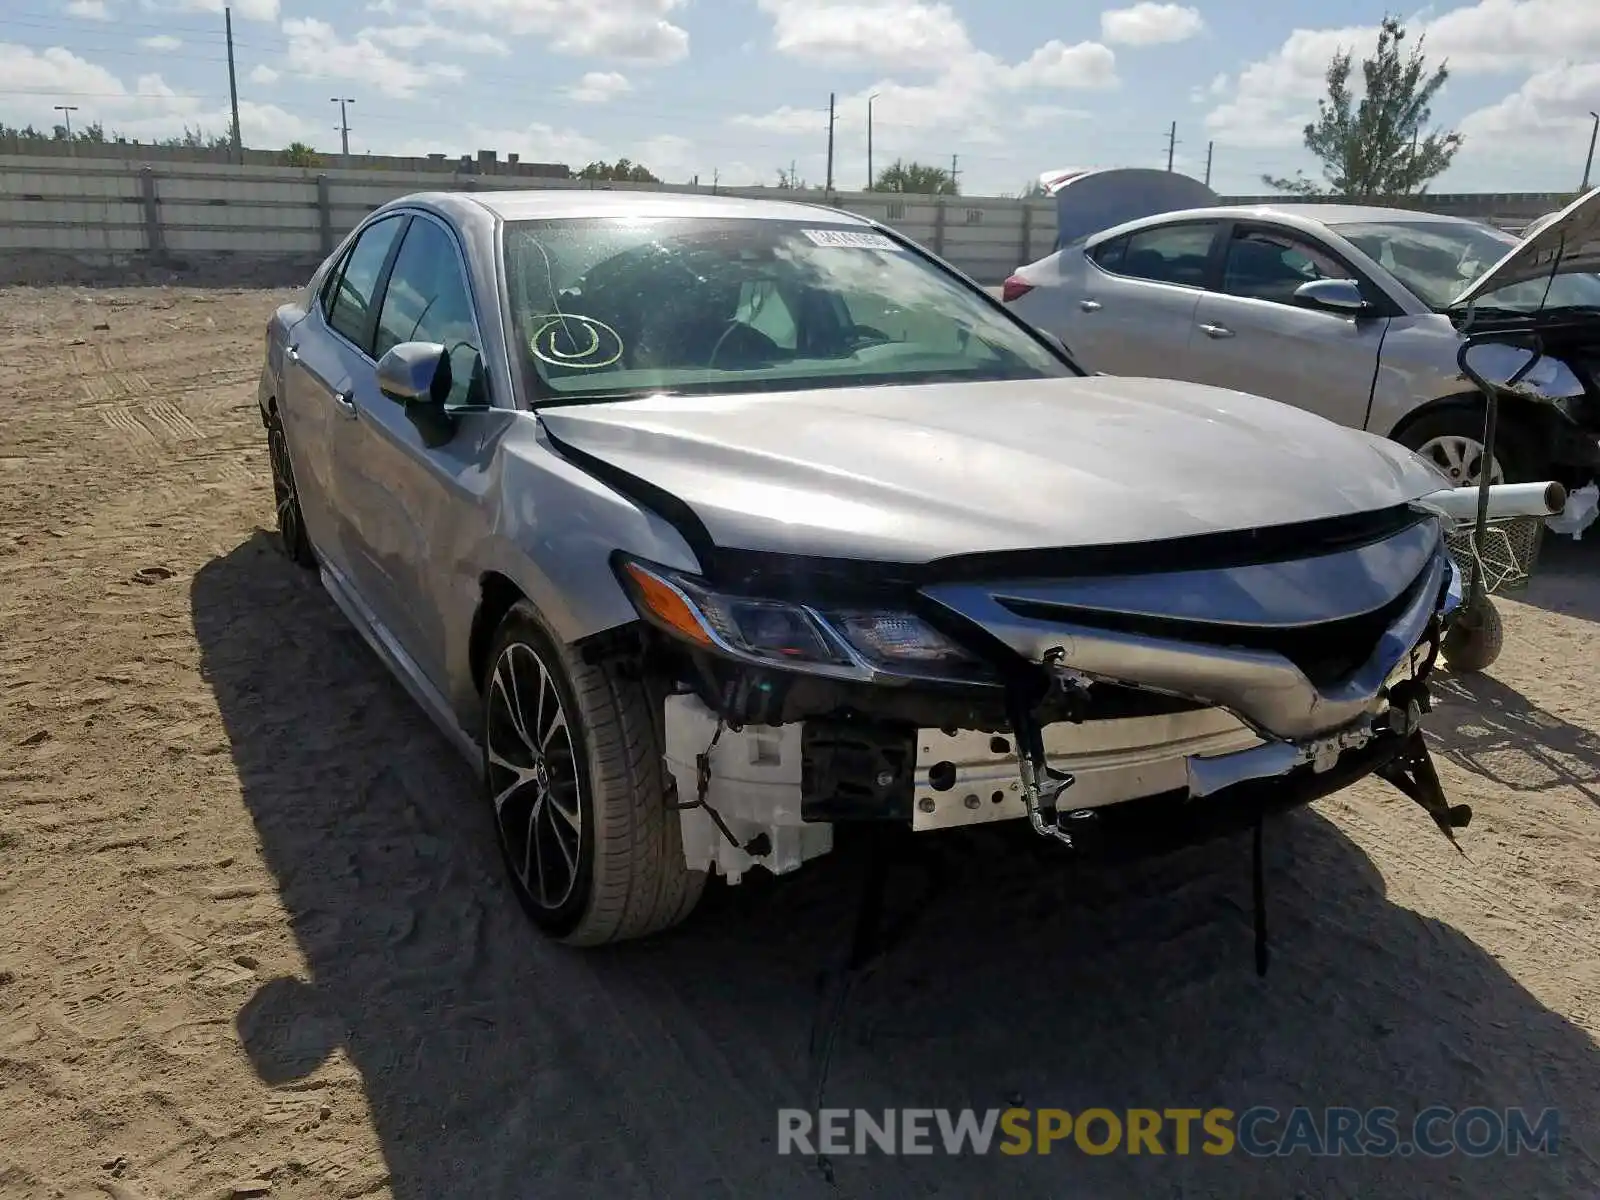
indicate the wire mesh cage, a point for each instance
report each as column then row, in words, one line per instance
column 1507, row 556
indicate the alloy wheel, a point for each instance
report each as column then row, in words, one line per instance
column 533, row 777
column 283, row 489
column 1461, row 458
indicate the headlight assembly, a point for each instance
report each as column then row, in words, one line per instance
column 869, row 645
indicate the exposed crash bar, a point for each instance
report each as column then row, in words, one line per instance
column 1505, row 500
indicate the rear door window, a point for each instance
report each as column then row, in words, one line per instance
column 1177, row 254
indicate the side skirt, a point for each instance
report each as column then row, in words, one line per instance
column 401, row 665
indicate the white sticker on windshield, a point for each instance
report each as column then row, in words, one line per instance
column 850, row 239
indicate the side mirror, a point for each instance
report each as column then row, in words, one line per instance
column 1336, row 295
column 415, row 373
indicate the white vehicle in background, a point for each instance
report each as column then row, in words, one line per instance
column 1354, row 313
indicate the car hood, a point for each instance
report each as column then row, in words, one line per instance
column 1567, row 242
column 911, row 474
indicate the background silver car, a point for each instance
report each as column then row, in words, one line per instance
column 701, row 525
column 1354, row 313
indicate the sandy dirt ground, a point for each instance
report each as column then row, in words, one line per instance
column 254, row 938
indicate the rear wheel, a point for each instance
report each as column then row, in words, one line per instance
column 286, row 497
column 573, row 771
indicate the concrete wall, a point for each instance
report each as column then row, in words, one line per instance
column 105, row 208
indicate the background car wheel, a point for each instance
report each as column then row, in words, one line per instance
column 286, row 499
column 573, row 772
column 1474, row 639
column 1452, row 439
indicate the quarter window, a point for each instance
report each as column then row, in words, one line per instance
column 427, row 301
column 1167, row 254
column 1268, row 265
column 350, row 311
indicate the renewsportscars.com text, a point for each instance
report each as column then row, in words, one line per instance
column 1255, row 1132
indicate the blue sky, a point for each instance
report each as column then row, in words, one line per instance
column 740, row 88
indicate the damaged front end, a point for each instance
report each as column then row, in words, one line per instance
column 1143, row 695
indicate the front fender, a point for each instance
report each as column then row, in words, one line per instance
column 551, row 529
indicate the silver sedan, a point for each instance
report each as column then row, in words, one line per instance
column 1354, row 313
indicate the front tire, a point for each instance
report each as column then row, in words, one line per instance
column 574, row 776
column 1451, row 437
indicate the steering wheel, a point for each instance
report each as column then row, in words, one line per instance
column 869, row 335
column 768, row 352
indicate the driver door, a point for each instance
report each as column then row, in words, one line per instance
column 1253, row 334
column 405, row 499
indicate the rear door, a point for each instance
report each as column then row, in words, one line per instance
column 1253, row 335
column 403, row 496
column 1133, row 313
column 321, row 363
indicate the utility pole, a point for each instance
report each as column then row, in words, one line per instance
column 66, row 111
column 953, row 174
column 344, row 126
column 828, row 189
column 1210, row 146
column 233, row 86
column 1589, row 162
column 1172, row 143
column 871, row 178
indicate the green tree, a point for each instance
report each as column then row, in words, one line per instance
column 916, row 178
column 298, row 154
column 1375, row 147
column 621, row 171
column 198, row 139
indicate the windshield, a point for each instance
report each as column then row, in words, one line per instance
column 603, row 307
column 1438, row 259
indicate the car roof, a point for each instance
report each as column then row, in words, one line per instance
column 1293, row 214
column 534, row 204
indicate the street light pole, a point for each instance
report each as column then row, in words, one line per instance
column 66, row 111
column 1589, row 162
column 871, row 178
column 344, row 126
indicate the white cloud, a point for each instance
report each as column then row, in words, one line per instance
column 598, row 87
column 940, row 92
column 162, row 43
column 1150, row 24
column 892, row 34
column 1547, row 117
column 147, row 110
column 1216, row 88
column 315, row 52
column 89, row 10
column 1508, row 35
column 1276, row 96
column 1056, row 65
column 250, row 10
column 1040, row 116
column 263, row 74
column 629, row 30
column 430, row 33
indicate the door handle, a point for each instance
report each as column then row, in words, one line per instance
column 1216, row 331
column 346, row 403
column 1089, row 305
column 292, row 353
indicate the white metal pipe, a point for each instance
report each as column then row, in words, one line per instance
column 1505, row 500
